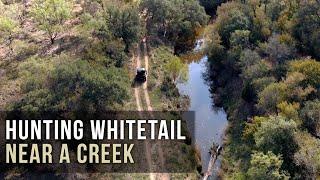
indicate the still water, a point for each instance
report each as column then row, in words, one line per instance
column 210, row 121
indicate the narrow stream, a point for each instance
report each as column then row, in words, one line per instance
column 210, row 122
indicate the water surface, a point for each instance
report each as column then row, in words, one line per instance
column 210, row 121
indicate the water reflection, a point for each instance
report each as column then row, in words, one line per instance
column 210, row 121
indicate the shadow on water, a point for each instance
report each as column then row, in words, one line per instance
column 210, row 121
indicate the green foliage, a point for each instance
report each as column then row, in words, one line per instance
column 288, row 110
column 261, row 29
column 8, row 28
column 272, row 95
column 68, row 84
column 124, row 23
column 308, row 156
column 261, row 83
column 264, row 47
column 296, row 90
column 252, row 127
column 23, row 49
column 231, row 17
column 307, row 27
column 240, row 39
column 277, row 135
column 117, row 28
column 9, row 24
column 266, row 167
column 214, row 48
column 248, row 58
column 257, row 70
column 308, row 67
column 51, row 15
column 174, row 20
column 176, row 69
column 169, row 88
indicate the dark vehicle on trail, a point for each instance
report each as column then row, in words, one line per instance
column 141, row 75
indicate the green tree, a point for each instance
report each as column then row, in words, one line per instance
column 176, row 69
column 296, row 90
column 67, row 84
column 252, row 127
column 231, row 17
column 277, row 135
column 288, row 110
column 124, row 23
column 8, row 30
column 215, row 49
column 307, row 26
column 10, row 20
column 261, row 23
column 266, row 167
column 309, row 68
column 261, row 83
column 240, row 39
column 272, row 95
column 51, row 15
column 110, row 48
column 174, row 20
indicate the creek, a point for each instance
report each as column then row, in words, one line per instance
column 210, row 121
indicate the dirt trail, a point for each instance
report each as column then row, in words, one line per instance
column 145, row 85
column 163, row 176
column 139, row 108
column 144, row 89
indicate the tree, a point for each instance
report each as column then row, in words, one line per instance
column 277, row 135
column 278, row 51
column 261, row 83
column 261, row 24
column 8, row 30
column 9, row 24
column 240, row 39
column 307, row 27
column 124, row 23
column 66, row 84
column 214, row 47
column 252, row 66
column 288, row 110
column 309, row 68
column 51, row 15
column 252, row 127
column 114, row 38
column 311, row 116
column 296, row 90
column 176, row 69
column 231, row 17
column 266, row 167
column 272, row 95
column 164, row 22
column 307, row 158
